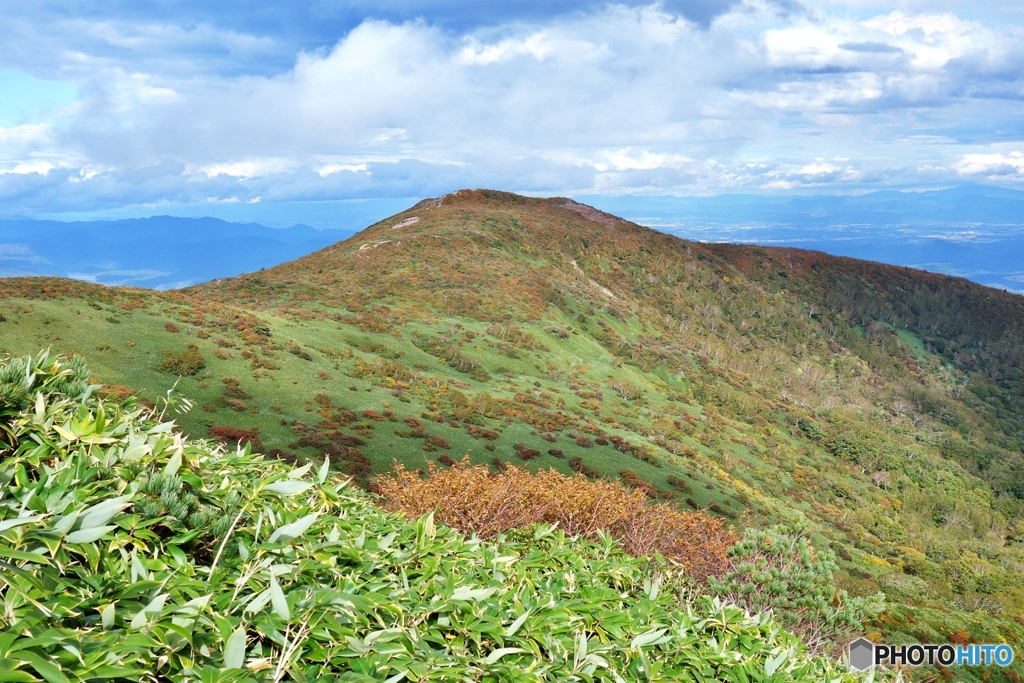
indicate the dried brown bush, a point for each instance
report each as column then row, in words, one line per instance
column 474, row 499
column 237, row 435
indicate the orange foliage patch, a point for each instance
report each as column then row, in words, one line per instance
column 473, row 499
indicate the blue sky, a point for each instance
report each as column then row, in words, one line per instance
column 285, row 108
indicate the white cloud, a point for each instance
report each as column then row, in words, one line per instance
column 24, row 136
column 993, row 165
column 250, row 168
column 610, row 98
column 19, row 252
column 123, row 278
column 332, row 168
column 933, row 40
column 819, row 173
column 535, row 45
column 38, row 166
column 899, row 24
column 637, row 159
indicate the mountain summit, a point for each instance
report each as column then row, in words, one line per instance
column 454, row 252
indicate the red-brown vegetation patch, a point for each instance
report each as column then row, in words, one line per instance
column 237, row 435
column 474, row 499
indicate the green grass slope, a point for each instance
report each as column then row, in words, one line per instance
column 129, row 553
column 882, row 405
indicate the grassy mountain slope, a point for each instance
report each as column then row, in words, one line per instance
column 129, row 553
column 882, row 404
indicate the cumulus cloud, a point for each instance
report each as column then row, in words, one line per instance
column 993, row 165
column 678, row 97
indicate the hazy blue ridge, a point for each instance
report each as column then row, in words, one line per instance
column 976, row 232
column 159, row 252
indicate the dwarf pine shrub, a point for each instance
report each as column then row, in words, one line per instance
column 778, row 570
column 904, row 586
column 186, row 363
column 21, row 378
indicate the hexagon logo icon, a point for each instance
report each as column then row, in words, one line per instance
column 862, row 654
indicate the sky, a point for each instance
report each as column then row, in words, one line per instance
column 286, row 108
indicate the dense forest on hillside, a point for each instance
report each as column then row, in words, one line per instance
column 880, row 409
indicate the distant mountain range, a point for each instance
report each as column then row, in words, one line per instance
column 967, row 204
column 161, row 252
column 976, row 232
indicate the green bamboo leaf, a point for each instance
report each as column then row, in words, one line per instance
column 135, row 447
column 139, row 589
column 300, row 472
column 18, row 521
column 289, row 531
column 325, row 470
column 7, row 639
column 501, row 652
column 138, row 569
column 647, row 638
column 385, row 542
column 65, row 434
column 121, row 672
column 287, row 487
column 9, row 675
column 89, row 535
column 64, row 523
column 101, row 513
column 147, row 612
column 107, row 614
column 772, row 665
column 278, row 600
column 174, row 464
column 42, row 641
column 356, row 645
column 426, row 530
column 177, row 553
column 138, row 640
column 258, row 602
column 24, row 556
column 511, row 630
column 45, row 668
column 471, row 594
column 195, row 605
column 581, row 647
column 234, row 649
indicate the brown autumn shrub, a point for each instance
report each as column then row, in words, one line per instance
column 237, row 435
column 959, row 638
column 115, row 392
column 475, row 499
